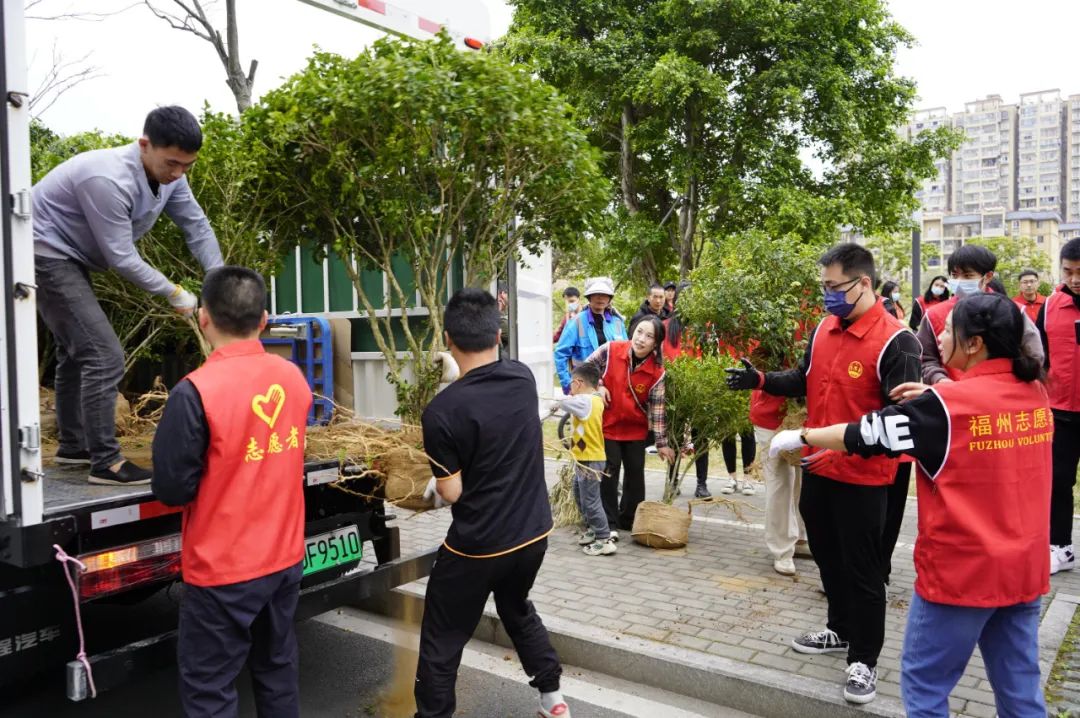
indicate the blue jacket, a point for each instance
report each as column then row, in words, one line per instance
column 578, row 340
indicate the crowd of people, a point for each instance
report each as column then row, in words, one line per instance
column 980, row 392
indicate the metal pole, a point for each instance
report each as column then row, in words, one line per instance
column 916, row 262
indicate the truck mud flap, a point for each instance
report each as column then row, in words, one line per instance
column 123, row 664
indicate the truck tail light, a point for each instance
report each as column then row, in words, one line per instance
column 120, row 569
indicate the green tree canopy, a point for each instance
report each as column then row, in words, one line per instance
column 707, row 109
column 1014, row 255
column 417, row 152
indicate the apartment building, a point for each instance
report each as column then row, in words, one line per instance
column 934, row 196
column 984, row 166
column 1071, row 141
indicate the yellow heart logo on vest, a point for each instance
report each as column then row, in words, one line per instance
column 273, row 399
column 854, row 369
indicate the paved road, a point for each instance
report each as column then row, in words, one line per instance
column 346, row 668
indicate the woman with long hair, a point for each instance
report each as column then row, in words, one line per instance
column 983, row 447
column 632, row 385
column 892, row 293
column 936, row 292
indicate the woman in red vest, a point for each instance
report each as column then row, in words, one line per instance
column 936, row 292
column 982, row 445
column 632, row 384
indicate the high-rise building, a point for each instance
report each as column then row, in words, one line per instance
column 934, row 196
column 984, row 166
column 1071, row 122
column 1039, row 149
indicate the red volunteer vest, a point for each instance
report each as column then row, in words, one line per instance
column 984, row 519
column 937, row 315
column 1059, row 321
column 1030, row 308
column 627, row 417
column 247, row 519
column 766, row 410
column 842, row 384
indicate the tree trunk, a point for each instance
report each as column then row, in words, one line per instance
column 688, row 211
column 626, row 160
column 239, row 83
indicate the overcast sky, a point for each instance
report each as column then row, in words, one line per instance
column 965, row 49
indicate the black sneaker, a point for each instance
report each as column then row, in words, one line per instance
column 819, row 642
column 127, row 475
column 861, row 686
column 81, row 457
column 701, row 492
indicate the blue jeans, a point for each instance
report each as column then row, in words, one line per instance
column 938, row 643
column 89, row 360
column 587, row 476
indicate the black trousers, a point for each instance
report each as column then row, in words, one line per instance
column 844, row 524
column 749, row 450
column 895, row 505
column 1066, row 458
column 221, row 627
column 457, row 590
column 701, row 463
column 629, row 455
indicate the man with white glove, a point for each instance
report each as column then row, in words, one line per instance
column 88, row 213
column 431, row 493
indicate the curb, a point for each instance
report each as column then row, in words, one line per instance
column 761, row 691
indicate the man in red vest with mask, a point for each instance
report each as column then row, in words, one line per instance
column 855, row 358
column 230, row 450
column 1059, row 325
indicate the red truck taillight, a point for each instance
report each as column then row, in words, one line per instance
column 125, row 567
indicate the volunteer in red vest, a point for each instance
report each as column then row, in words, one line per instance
column 971, row 268
column 230, row 450
column 855, row 358
column 785, row 533
column 937, row 291
column 632, row 384
column 983, row 450
column 1029, row 298
column 1059, row 325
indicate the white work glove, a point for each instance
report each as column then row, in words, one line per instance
column 182, row 301
column 788, row 440
column 450, row 371
column 430, row 494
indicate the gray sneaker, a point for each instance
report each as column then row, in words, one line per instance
column 586, row 538
column 861, row 686
column 819, row 642
column 701, row 492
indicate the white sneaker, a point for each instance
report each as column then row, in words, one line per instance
column 650, row 449
column 748, row 489
column 1061, row 559
column 586, row 538
column 784, row 566
column 731, row 487
column 600, row 548
column 614, row 536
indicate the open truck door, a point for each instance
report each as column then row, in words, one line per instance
column 20, row 435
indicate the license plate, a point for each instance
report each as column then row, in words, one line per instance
column 332, row 549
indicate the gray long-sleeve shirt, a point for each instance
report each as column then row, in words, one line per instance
column 93, row 207
column 933, row 370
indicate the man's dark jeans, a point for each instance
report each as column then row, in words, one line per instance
column 89, row 360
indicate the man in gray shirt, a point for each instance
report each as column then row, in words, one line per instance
column 88, row 213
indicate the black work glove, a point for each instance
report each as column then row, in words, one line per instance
column 743, row 379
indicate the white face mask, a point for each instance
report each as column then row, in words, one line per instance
column 895, row 296
column 964, row 287
column 571, row 306
column 937, row 291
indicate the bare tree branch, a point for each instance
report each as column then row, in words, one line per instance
column 67, row 14
column 192, row 18
column 62, row 75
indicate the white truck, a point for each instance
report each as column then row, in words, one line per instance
column 128, row 542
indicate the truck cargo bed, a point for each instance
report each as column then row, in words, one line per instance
column 67, row 491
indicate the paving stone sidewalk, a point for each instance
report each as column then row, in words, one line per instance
column 720, row 595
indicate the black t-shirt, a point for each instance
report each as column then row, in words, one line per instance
column 598, row 326
column 486, row 425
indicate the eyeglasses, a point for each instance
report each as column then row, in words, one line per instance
column 837, row 287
